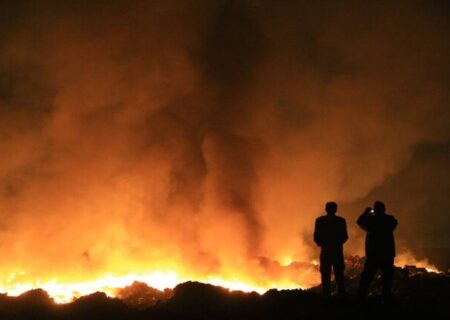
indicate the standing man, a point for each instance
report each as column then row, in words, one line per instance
column 380, row 248
column 330, row 234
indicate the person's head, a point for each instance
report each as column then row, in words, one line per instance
column 379, row 207
column 331, row 207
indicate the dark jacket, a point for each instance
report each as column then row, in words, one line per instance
column 380, row 234
column 330, row 232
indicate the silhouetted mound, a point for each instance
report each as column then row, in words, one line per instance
column 96, row 306
column 34, row 304
column 418, row 293
column 36, row 297
column 194, row 300
column 141, row 296
column 410, row 283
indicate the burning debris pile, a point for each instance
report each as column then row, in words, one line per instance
column 140, row 295
column 410, row 282
column 355, row 265
column 417, row 291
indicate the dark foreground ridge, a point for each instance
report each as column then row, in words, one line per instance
column 417, row 293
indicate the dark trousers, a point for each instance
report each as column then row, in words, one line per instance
column 386, row 265
column 333, row 260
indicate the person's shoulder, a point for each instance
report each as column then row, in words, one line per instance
column 390, row 217
column 392, row 220
column 340, row 219
column 321, row 218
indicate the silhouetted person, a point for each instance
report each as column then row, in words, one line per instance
column 330, row 233
column 380, row 248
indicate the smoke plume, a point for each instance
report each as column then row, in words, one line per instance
column 206, row 136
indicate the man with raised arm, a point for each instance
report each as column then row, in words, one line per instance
column 380, row 248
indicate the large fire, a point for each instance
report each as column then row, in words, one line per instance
column 165, row 141
column 66, row 291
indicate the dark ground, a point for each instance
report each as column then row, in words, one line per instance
column 417, row 294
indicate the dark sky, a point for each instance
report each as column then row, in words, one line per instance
column 211, row 133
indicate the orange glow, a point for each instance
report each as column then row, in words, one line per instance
column 284, row 274
column 63, row 292
column 67, row 291
column 408, row 259
column 286, row 261
column 168, row 147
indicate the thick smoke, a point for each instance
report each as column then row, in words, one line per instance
column 207, row 135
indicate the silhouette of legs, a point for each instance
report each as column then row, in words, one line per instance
column 370, row 268
column 335, row 261
column 387, row 270
column 338, row 269
column 325, row 272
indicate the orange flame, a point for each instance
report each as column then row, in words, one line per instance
column 66, row 291
column 407, row 258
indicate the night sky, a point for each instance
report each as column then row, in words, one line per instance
column 206, row 136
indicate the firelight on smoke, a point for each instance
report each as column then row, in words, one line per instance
column 165, row 141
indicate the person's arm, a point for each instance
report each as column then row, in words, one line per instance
column 317, row 234
column 364, row 220
column 344, row 233
column 394, row 224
